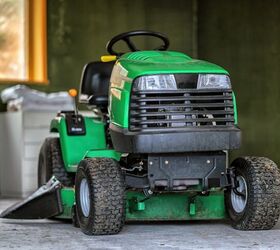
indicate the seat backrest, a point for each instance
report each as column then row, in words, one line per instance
column 95, row 82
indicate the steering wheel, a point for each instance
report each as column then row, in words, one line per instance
column 126, row 38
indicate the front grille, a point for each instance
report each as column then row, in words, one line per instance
column 182, row 108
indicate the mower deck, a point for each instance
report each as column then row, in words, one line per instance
column 161, row 207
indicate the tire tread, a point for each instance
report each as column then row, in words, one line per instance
column 107, row 193
column 263, row 208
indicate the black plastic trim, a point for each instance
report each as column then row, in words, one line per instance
column 178, row 171
column 166, row 109
column 75, row 123
column 184, row 140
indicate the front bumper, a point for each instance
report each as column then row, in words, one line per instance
column 186, row 140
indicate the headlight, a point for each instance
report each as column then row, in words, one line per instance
column 156, row 82
column 213, row 81
column 168, row 82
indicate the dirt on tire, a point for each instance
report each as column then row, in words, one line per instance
column 263, row 202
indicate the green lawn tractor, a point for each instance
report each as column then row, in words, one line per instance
column 153, row 148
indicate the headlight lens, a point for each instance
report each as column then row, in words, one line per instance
column 168, row 82
column 213, row 81
column 156, row 82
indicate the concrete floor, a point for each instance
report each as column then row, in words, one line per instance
column 48, row 234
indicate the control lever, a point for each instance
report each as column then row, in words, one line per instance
column 75, row 123
column 73, row 93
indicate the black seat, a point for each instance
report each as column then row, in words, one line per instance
column 95, row 83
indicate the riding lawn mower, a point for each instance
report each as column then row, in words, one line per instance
column 154, row 148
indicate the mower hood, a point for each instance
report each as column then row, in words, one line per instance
column 165, row 62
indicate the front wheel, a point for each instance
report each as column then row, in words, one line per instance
column 254, row 202
column 100, row 192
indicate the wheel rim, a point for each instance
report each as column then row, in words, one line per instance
column 239, row 201
column 84, row 197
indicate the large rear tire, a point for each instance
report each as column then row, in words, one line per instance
column 100, row 196
column 255, row 203
column 51, row 163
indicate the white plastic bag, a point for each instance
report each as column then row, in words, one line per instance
column 21, row 97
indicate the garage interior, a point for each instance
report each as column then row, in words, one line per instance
column 241, row 36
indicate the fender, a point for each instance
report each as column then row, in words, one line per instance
column 75, row 147
column 106, row 153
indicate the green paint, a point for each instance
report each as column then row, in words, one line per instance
column 135, row 205
column 72, row 168
column 176, row 206
column 74, row 148
column 164, row 206
column 192, row 209
column 141, row 206
column 107, row 153
column 235, row 109
column 165, row 62
column 119, row 107
column 68, row 200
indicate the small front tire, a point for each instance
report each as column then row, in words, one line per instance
column 255, row 202
column 100, row 196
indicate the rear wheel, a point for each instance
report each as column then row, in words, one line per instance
column 100, row 202
column 51, row 163
column 254, row 203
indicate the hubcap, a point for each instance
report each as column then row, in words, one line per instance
column 84, row 197
column 239, row 198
